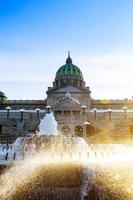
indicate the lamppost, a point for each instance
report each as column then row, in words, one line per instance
column 109, row 111
column 22, row 114
column 86, row 123
column 48, row 108
column 8, row 108
column 125, row 111
column 95, row 112
column 83, row 108
column 37, row 113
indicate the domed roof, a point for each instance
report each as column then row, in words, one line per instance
column 69, row 70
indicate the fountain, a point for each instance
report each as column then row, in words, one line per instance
column 45, row 159
column 49, row 140
column 51, row 166
column 48, row 125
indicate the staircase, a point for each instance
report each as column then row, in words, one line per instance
column 31, row 125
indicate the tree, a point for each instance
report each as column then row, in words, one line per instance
column 3, row 97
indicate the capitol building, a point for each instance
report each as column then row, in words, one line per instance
column 69, row 79
column 76, row 112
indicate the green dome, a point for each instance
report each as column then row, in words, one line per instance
column 69, row 74
column 69, row 70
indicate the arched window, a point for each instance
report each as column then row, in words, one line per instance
column 79, row 131
column 65, row 130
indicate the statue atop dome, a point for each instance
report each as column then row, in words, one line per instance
column 69, row 60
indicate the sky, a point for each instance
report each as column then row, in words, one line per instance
column 35, row 36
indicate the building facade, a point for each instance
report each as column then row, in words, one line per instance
column 69, row 79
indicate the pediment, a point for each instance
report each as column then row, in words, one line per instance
column 68, row 101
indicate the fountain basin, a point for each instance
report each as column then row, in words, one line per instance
column 50, row 182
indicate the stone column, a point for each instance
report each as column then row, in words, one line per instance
column 84, row 131
column 72, row 128
column 71, row 114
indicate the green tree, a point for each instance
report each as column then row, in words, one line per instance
column 3, row 97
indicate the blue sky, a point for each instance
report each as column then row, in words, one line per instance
column 35, row 36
